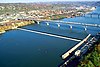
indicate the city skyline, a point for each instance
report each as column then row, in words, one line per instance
column 29, row 1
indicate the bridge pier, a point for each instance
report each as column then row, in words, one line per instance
column 91, row 15
column 71, row 27
column 98, row 16
column 83, row 15
column 47, row 24
column 85, row 28
column 58, row 25
column 38, row 22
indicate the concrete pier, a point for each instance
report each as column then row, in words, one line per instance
column 71, row 27
column 99, row 16
column 38, row 22
column 64, row 56
column 91, row 15
column 85, row 28
column 47, row 23
column 58, row 25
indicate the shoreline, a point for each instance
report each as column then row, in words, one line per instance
column 80, row 60
column 20, row 23
column 91, row 58
column 71, row 16
column 13, row 25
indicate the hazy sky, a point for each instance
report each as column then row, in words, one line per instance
column 16, row 1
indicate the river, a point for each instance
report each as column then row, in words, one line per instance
column 25, row 49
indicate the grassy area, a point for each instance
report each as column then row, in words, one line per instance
column 91, row 59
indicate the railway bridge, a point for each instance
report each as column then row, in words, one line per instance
column 59, row 22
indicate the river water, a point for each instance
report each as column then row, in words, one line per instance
column 25, row 49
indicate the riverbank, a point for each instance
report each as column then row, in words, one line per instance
column 61, row 16
column 13, row 25
column 92, row 59
column 72, row 14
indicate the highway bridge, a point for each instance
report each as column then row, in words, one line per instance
column 58, row 22
column 92, row 14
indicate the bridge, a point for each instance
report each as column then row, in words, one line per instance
column 58, row 22
column 52, row 35
column 91, row 14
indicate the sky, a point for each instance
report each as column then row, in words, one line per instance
column 26, row 1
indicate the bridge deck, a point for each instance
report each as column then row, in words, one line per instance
column 65, row 22
column 93, row 14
